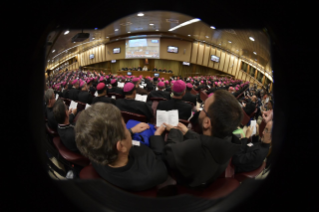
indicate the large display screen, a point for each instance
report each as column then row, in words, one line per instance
column 116, row 50
column 172, row 49
column 142, row 48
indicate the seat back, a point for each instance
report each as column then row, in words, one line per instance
column 50, row 131
column 156, row 99
column 117, row 96
column 89, row 172
column 253, row 113
column 67, row 101
column 190, row 103
column 203, row 95
column 128, row 115
column 261, row 128
column 185, row 122
column 229, row 171
column 80, row 106
column 245, row 119
column 154, row 107
column 244, row 175
column 68, row 155
column 193, row 91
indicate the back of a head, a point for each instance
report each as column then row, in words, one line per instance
column 97, row 131
column 48, row 95
column 225, row 113
column 59, row 111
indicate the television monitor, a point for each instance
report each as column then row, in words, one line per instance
column 116, row 50
column 156, row 75
column 113, row 61
column 214, row 58
column 186, row 63
column 142, row 48
column 172, row 49
column 91, row 56
column 129, row 73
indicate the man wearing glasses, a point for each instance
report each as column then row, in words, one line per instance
column 252, row 155
column 197, row 160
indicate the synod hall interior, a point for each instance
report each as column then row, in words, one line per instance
column 159, row 104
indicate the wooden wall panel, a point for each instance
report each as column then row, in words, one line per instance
column 235, row 62
column 133, row 63
column 216, row 65
column 194, row 52
column 226, row 63
column 200, row 54
column 206, row 55
column 111, row 46
column 180, row 56
column 175, row 66
column 211, row 63
column 222, row 60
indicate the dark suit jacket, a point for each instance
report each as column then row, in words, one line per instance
column 104, row 99
column 85, row 97
column 52, row 123
column 133, row 106
column 184, row 109
column 250, row 158
column 190, row 98
column 67, row 136
column 196, row 160
column 250, row 107
column 141, row 91
column 73, row 94
column 158, row 93
column 116, row 90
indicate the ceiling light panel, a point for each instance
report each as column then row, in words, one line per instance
column 185, row 24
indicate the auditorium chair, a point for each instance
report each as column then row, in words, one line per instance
column 117, row 96
column 72, row 157
column 50, row 131
column 245, row 119
column 203, row 96
column 190, row 103
column 229, row 171
column 134, row 116
column 67, row 101
column 253, row 114
column 80, row 106
column 261, row 128
column 194, row 92
column 245, row 175
column 185, row 122
column 156, row 99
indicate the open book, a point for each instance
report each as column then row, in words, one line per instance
column 120, row 84
column 141, row 98
column 168, row 117
column 73, row 105
column 253, row 125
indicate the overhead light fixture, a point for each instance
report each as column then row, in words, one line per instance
column 151, row 24
column 128, row 32
column 48, row 60
column 140, row 14
column 93, row 38
column 229, row 41
column 251, row 38
column 66, row 32
column 237, row 50
column 212, row 27
column 207, row 37
column 95, row 28
column 116, row 39
column 254, row 52
column 185, row 23
column 189, row 35
column 220, row 44
column 53, row 51
column 116, row 30
column 107, row 37
column 156, row 30
column 74, row 42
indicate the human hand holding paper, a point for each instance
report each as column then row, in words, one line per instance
column 73, row 104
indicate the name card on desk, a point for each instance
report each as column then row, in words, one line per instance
column 73, row 105
column 141, row 98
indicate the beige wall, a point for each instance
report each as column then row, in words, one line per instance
column 111, row 46
column 180, row 56
column 99, row 56
column 175, row 66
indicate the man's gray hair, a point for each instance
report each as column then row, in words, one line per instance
column 48, row 95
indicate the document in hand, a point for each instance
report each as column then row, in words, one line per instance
column 120, row 84
column 253, row 125
column 141, row 98
column 87, row 106
column 56, row 96
column 95, row 94
column 73, row 105
column 168, row 117
column 141, row 86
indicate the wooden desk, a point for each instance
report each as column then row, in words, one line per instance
column 146, row 74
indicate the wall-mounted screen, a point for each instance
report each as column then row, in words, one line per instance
column 91, row 56
column 116, row 50
column 172, row 49
column 186, row 63
column 129, row 73
column 142, row 48
column 113, row 61
column 156, row 75
column 214, row 58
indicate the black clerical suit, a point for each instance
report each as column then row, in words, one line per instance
column 196, row 160
column 250, row 158
column 104, row 99
column 52, row 123
column 85, row 97
column 211, row 90
column 250, row 107
column 116, row 90
column 65, row 93
column 73, row 94
column 189, row 97
column 184, row 109
column 133, row 106
column 67, row 135
column 141, row 91
column 168, row 89
column 161, row 94
column 143, row 171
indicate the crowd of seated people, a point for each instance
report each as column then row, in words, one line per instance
column 196, row 159
column 164, row 70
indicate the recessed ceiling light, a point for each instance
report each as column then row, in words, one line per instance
column 107, row 37
column 53, row 51
column 237, row 50
column 229, row 41
column 207, row 37
column 251, row 38
column 116, row 39
column 74, row 42
column 212, row 27
column 156, row 30
column 95, row 28
column 66, row 32
column 93, row 38
column 128, row 32
column 48, row 60
column 140, row 14
column 254, row 52
column 151, row 24
column 189, row 35
column 116, row 29
column 255, row 59
column 220, row 44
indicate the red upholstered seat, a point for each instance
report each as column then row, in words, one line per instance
column 203, row 96
column 117, row 96
column 67, row 101
column 156, row 99
column 243, row 176
column 72, row 157
column 154, row 107
column 194, row 92
column 50, row 131
column 128, row 115
column 80, row 106
column 185, row 122
column 229, row 171
column 246, row 119
column 253, row 114
column 89, row 172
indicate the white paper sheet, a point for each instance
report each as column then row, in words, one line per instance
column 113, row 97
column 56, row 96
column 120, row 84
column 169, row 117
column 87, row 106
column 253, row 125
column 141, row 86
column 156, row 88
column 95, row 94
column 73, row 105
column 141, row 98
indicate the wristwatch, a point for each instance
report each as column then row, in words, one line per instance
column 131, row 132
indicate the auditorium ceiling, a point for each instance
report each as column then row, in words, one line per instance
column 158, row 24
